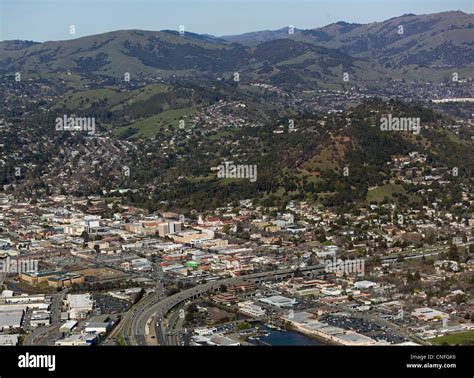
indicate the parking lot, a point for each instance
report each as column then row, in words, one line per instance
column 110, row 305
column 364, row 327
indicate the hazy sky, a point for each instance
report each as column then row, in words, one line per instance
column 43, row 20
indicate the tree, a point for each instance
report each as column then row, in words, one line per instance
column 243, row 325
column 322, row 235
column 239, row 228
column 85, row 236
column 453, row 253
column 416, row 276
column 226, row 229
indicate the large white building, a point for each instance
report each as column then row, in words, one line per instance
column 68, row 326
column 40, row 318
column 306, row 323
column 279, row 301
column 427, row 314
column 80, row 305
column 77, row 339
column 97, row 328
column 11, row 316
column 9, row 340
column 251, row 309
column 364, row 284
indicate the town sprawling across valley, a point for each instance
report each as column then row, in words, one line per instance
column 286, row 187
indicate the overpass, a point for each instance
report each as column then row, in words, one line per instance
column 159, row 307
column 138, row 320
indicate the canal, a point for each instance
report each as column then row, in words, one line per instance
column 282, row 338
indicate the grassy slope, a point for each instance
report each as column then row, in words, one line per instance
column 463, row 338
column 150, row 126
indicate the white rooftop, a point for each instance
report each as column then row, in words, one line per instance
column 80, row 301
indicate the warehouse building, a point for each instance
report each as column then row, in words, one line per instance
column 79, row 305
column 68, row 326
column 11, row 317
column 9, row 340
column 279, row 301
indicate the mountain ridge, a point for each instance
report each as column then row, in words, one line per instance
column 371, row 53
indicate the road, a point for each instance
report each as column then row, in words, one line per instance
column 136, row 321
column 36, row 337
column 135, row 327
column 38, row 334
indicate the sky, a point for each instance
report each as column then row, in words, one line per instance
column 45, row 20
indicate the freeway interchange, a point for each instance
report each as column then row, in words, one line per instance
column 146, row 324
column 135, row 326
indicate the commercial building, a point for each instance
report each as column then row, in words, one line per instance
column 31, row 300
column 53, row 278
column 9, row 340
column 97, row 328
column 249, row 308
column 364, row 284
column 204, row 331
column 139, row 265
column 191, row 236
column 428, row 314
column 243, row 289
column 225, row 298
column 79, row 305
column 74, row 229
column 77, row 339
column 295, row 229
column 223, row 340
column 306, row 323
column 66, row 280
column 35, row 278
column 68, row 326
column 214, row 340
column 11, row 317
column 40, row 318
column 279, row 301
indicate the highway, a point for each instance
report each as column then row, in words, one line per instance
column 135, row 322
column 135, row 326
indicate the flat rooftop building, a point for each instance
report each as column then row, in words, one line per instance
column 77, row 339
column 68, row 326
column 80, row 305
column 79, row 301
column 279, row 301
column 426, row 314
column 223, row 340
column 10, row 318
column 9, row 340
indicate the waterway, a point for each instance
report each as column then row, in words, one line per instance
column 286, row 338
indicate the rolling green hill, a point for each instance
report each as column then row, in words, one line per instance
column 370, row 53
column 166, row 55
column 437, row 40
